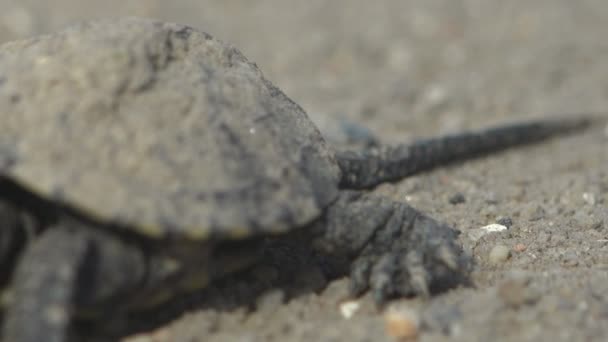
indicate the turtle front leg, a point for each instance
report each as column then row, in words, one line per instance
column 392, row 249
column 66, row 270
column 12, row 239
column 17, row 229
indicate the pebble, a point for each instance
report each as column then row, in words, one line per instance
column 520, row 247
column 494, row 227
column 457, row 198
column 535, row 213
column 569, row 259
column 589, row 198
column 349, row 308
column 402, row 323
column 505, row 221
column 477, row 233
column 499, row 254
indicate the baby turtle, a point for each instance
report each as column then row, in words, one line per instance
column 149, row 159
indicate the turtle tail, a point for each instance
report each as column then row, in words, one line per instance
column 391, row 163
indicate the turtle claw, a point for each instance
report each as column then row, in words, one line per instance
column 419, row 278
column 397, row 274
column 382, row 278
column 360, row 276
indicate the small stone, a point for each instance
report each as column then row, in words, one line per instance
column 536, row 214
column 402, row 323
column 457, row 198
column 520, row 247
column 569, row 259
column 494, row 227
column 477, row 233
column 349, row 308
column 505, row 221
column 499, row 254
column 589, row 198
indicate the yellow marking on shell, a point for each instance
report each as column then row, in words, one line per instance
column 155, row 299
column 45, row 191
column 6, row 297
column 239, row 233
column 277, row 230
column 197, row 233
column 150, row 230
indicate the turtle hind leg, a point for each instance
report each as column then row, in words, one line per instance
column 394, row 249
column 418, row 256
column 67, row 268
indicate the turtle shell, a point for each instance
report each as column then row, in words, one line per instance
column 160, row 129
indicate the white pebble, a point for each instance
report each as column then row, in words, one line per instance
column 494, row 227
column 589, row 198
column 349, row 308
column 477, row 233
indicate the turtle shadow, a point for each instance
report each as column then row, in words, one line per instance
column 288, row 265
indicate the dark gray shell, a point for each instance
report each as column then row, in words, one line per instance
column 159, row 128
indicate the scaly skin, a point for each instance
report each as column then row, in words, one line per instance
column 66, row 271
column 394, row 249
column 12, row 239
column 371, row 167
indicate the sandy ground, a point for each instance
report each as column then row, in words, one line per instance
column 408, row 69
